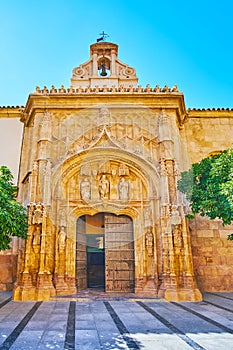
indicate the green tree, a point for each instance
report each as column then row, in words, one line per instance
column 13, row 218
column 208, row 186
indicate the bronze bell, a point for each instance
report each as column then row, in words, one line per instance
column 103, row 72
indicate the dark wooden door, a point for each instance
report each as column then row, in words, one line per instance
column 119, row 253
column 81, row 254
column 95, row 261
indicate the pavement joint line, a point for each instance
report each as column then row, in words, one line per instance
column 5, row 302
column 70, row 329
column 220, row 296
column 205, row 318
column 173, row 328
column 218, row 306
column 121, row 327
column 19, row 328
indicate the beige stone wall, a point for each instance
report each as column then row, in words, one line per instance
column 212, row 254
column 208, row 132
column 8, row 265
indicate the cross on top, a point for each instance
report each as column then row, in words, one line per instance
column 103, row 37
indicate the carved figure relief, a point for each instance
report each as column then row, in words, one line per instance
column 37, row 214
column 177, row 236
column 62, row 217
column 123, row 189
column 149, row 242
column 104, row 187
column 175, row 216
column 36, row 239
column 85, row 189
column 62, row 239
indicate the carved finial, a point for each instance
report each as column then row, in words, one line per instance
column 70, row 90
column 121, row 88
column 38, row 90
column 62, row 89
column 166, row 89
column 80, row 89
column 105, row 88
column 148, row 88
column 131, row 89
column 175, row 88
column 53, row 90
column 45, row 90
column 157, row 89
column 114, row 89
column 140, row 88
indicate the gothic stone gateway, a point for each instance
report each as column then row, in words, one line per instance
column 99, row 168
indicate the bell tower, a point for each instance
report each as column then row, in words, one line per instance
column 103, row 69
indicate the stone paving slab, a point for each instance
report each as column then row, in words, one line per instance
column 117, row 323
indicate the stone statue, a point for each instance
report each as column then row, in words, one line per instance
column 85, row 189
column 149, row 240
column 104, row 187
column 175, row 215
column 123, row 189
column 37, row 214
column 36, row 236
column 62, row 239
column 177, row 236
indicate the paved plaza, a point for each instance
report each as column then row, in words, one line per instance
column 98, row 322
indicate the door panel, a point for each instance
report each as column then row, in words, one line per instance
column 119, row 253
column 81, row 254
column 95, row 261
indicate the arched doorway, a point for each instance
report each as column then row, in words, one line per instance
column 105, row 252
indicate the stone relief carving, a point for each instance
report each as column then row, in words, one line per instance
column 61, row 239
column 123, row 189
column 36, row 239
column 104, row 182
column 85, row 189
column 175, row 215
column 149, row 242
column 123, row 170
column 137, row 133
column 104, row 115
column 104, row 187
column 177, row 236
column 37, row 215
column 46, row 126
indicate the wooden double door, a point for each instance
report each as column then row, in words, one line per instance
column 105, row 253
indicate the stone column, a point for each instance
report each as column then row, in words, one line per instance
column 94, row 64
column 113, row 63
column 175, row 287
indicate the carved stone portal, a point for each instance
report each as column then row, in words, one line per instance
column 104, row 149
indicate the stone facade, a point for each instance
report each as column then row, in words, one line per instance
column 100, row 160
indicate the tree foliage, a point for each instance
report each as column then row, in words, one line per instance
column 13, row 218
column 208, row 186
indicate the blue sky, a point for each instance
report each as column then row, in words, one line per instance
column 188, row 43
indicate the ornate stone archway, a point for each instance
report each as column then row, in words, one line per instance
column 115, row 164
column 142, row 208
